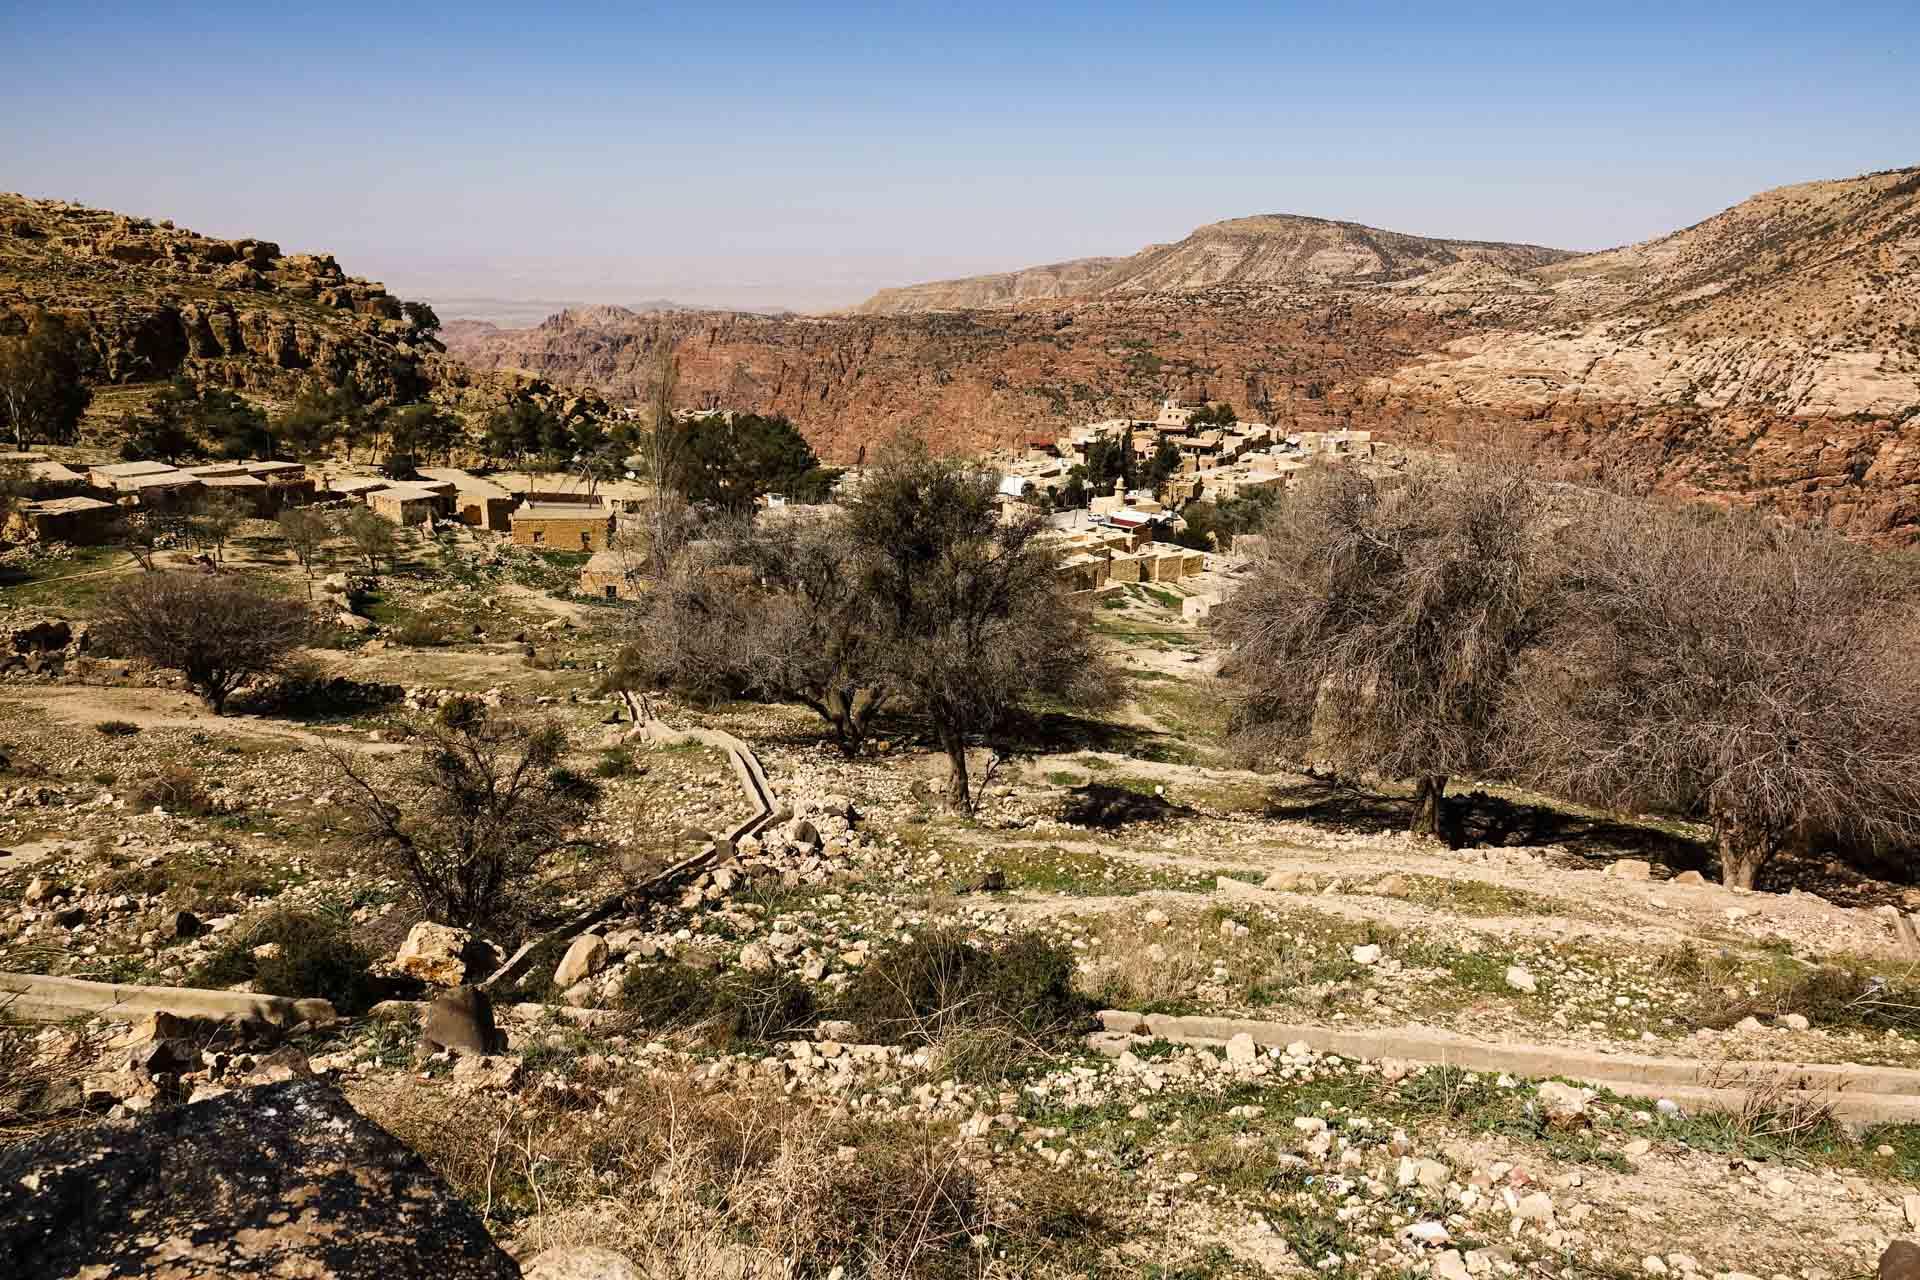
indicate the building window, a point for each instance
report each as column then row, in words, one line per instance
column 539, row 536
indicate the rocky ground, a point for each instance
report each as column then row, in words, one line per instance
column 690, row 1084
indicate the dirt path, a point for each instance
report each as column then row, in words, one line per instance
column 88, row 705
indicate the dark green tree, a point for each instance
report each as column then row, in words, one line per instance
column 42, row 395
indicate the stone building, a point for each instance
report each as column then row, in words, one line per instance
column 80, row 521
column 563, row 527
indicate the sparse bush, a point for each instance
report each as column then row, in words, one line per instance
column 468, row 817
column 617, row 763
column 989, row 1007
column 116, row 728
column 1719, row 665
column 423, row 631
column 219, row 631
column 42, row 1073
column 308, row 954
column 176, row 789
column 1381, row 632
column 742, row 1007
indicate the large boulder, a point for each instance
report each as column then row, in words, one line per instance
column 587, row 956
column 280, row 1180
column 461, row 1020
column 435, row 953
column 581, row 1262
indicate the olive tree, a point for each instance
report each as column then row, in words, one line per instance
column 968, row 613
column 218, row 631
column 468, row 816
column 1721, row 666
column 1379, row 632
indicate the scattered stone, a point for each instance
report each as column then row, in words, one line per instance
column 1563, row 1105
column 1901, row 1261
column 1520, row 980
column 1631, row 869
column 580, row 1262
column 1795, row 1021
column 1689, row 877
column 1242, row 1049
column 1368, row 953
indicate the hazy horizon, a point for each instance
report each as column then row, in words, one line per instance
column 495, row 161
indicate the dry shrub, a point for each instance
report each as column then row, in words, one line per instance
column 41, row 1070
column 690, row 1184
column 985, row 1010
column 1774, row 1110
column 176, row 789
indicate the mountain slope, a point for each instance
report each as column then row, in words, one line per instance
column 1270, row 249
column 1804, row 301
column 148, row 301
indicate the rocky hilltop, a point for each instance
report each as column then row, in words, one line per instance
column 1769, row 355
column 1270, row 249
column 150, row 300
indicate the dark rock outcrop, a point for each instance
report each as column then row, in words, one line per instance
column 282, row 1180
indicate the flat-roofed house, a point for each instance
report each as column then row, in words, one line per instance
column 356, row 487
column 404, row 504
column 250, row 490
column 79, row 520
column 563, row 526
column 613, row 574
column 476, row 501
column 48, row 479
column 122, row 477
column 164, row 489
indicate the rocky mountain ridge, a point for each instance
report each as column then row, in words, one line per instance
column 1267, row 249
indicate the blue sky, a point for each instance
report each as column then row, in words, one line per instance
column 766, row 154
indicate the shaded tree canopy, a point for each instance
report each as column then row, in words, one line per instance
column 42, row 395
column 730, row 460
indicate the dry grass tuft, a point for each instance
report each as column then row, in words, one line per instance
column 690, row 1183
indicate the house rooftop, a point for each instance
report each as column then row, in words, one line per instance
column 66, row 506
column 561, row 511
column 129, row 470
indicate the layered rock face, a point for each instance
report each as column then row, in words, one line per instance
column 152, row 300
column 1270, row 249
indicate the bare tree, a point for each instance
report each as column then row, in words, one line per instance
column 307, row 532
column 776, row 611
column 214, row 518
column 372, row 537
column 471, row 814
column 218, row 631
column 1721, row 666
column 661, row 454
column 1381, row 629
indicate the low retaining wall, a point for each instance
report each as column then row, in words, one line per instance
column 1858, row 1094
column 39, row 998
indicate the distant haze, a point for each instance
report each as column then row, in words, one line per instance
column 502, row 161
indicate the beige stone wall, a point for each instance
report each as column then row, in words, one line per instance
column 563, row 533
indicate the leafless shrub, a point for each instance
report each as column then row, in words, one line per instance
column 41, row 1073
column 469, row 815
column 1774, row 1110
column 1379, row 632
column 1716, row 664
column 220, row 632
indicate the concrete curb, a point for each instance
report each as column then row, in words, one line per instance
column 40, row 998
column 1858, row 1094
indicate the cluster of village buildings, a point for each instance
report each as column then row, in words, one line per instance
column 81, row 506
column 1125, row 536
column 1121, row 537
